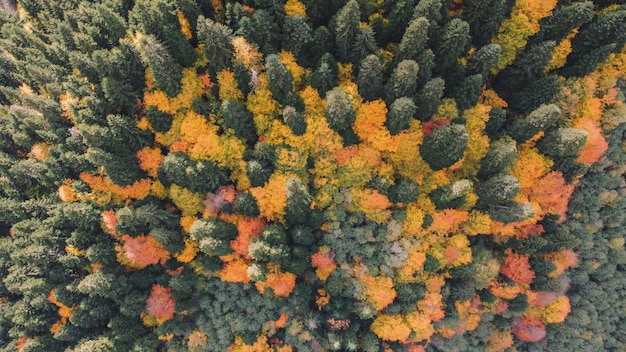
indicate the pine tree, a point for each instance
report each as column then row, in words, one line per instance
column 501, row 155
column 346, row 29
column 324, row 78
column 413, row 41
column 340, row 113
column 445, row 146
column 539, row 120
column 167, row 73
column 217, row 43
column 454, row 42
column 403, row 81
column 497, row 190
column 562, row 142
column 297, row 34
column 400, row 114
column 279, row 79
column 370, row 78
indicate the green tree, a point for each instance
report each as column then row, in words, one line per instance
column 370, row 78
column 428, row 98
column 324, row 78
column 297, row 34
column 398, row 18
column 502, row 153
column 512, row 213
column 213, row 236
column 295, row 120
column 539, row 120
column 158, row 18
column 445, row 146
column 346, row 29
column 468, row 91
column 485, row 17
column 217, row 43
column 340, row 113
column 564, row 19
column 279, row 79
column 483, row 60
column 413, row 41
column 237, row 117
column 403, row 81
column 454, row 42
column 400, row 114
column 497, row 190
column 298, row 203
column 452, row 195
column 562, row 142
column 364, row 44
column 167, row 73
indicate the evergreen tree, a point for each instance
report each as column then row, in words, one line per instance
column 400, row 114
column 158, row 18
column 295, row 120
column 454, row 42
column 346, row 29
column 217, row 43
column 340, row 113
column 324, row 78
column 485, row 17
column 364, row 44
column 538, row 120
column 370, row 78
column 501, row 154
column 413, row 41
column 428, row 98
column 297, row 34
column 445, row 146
column 403, row 81
column 279, row 80
column 167, row 74
column 399, row 17
column 237, row 117
column 497, row 190
column 562, row 142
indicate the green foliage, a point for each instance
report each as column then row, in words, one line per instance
column 538, row 120
column 324, row 78
column 346, row 29
column 370, row 78
column 445, row 146
column 217, row 43
column 167, row 74
column 562, row 142
column 279, row 80
column 501, row 155
column 400, row 114
column 497, row 190
column 340, row 113
column 403, row 81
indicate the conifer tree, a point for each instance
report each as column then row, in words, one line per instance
column 400, row 114
column 403, row 81
column 445, row 146
column 217, row 43
column 279, row 79
column 370, row 78
column 538, row 120
column 324, row 78
column 346, row 29
column 167, row 74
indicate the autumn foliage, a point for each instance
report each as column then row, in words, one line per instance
column 160, row 304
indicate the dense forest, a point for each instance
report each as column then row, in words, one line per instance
column 312, row 175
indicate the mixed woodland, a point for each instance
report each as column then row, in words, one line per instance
column 312, row 175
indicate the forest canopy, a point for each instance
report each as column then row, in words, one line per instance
column 312, row 175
